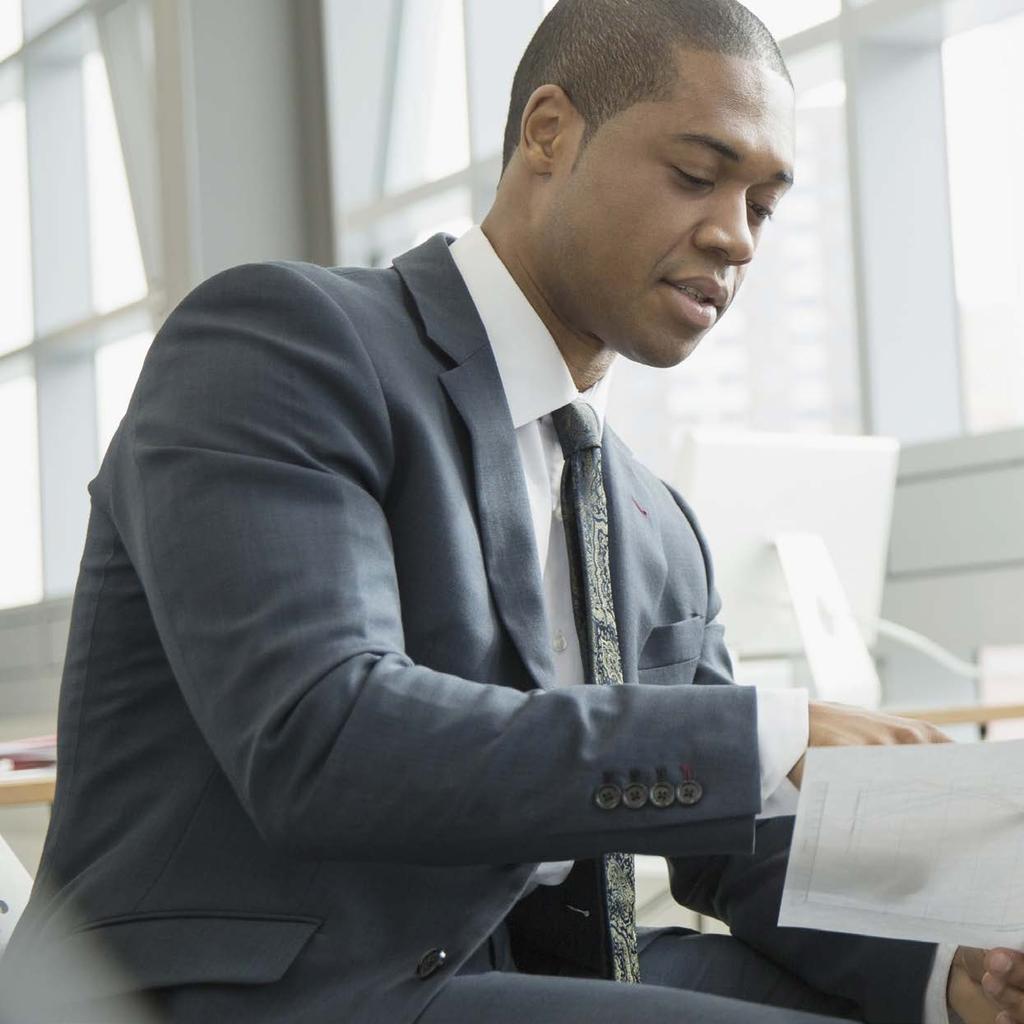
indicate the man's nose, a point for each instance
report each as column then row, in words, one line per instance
column 726, row 228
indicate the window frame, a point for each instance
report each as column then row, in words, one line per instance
column 67, row 332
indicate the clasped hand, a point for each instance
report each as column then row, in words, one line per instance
column 985, row 986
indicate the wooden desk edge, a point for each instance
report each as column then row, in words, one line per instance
column 30, row 787
column 974, row 714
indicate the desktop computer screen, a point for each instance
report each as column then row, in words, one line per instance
column 799, row 531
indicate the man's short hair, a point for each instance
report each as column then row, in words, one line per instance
column 607, row 55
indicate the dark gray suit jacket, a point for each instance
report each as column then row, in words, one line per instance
column 308, row 727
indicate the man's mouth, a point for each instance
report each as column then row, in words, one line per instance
column 693, row 306
column 693, row 292
column 706, row 290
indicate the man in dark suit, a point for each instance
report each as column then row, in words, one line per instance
column 349, row 731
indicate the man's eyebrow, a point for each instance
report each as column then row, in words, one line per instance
column 723, row 149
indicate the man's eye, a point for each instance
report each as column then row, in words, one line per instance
column 693, row 180
column 762, row 213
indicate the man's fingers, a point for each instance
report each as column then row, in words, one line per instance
column 972, row 960
column 911, row 731
column 1007, row 965
column 836, row 725
column 1007, row 997
column 1000, row 974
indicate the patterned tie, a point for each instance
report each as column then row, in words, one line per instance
column 585, row 516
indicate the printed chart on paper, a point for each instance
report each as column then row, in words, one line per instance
column 911, row 842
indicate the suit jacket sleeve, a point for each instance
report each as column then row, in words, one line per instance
column 886, row 978
column 249, row 486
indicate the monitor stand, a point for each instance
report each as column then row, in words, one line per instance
column 840, row 663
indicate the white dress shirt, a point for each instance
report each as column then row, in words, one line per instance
column 537, row 382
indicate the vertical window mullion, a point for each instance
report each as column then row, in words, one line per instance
column 62, row 293
column 903, row 237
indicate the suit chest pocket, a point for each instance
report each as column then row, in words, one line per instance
column 672, row 652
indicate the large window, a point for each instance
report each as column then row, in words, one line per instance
column 418, row 95
column 429, row 136
column 117, row 369
column 21, row 575
column 411, row 177
column 74, row 293
column 984, row 80
column 115, row 258
column 10, row 27
column 15, row 253
column 787, row 17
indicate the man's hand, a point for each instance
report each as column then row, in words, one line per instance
column 838, row 725
column 987, row 987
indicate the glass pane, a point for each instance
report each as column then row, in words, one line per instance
column 38, row 14
column 55, row 113
column 783, row 17
column 21, row 578
column 10, row 26
column 396, row 233
column 787, row 17
column 430, row 121
column 984, row 80
column 15, row 246
column 784, row 357
column 117, row 272
column 117, row 370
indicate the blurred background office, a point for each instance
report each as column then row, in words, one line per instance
column 147, row 144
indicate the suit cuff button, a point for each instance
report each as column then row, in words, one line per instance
column 663, row 794
column 634, row 796
column 608, row 796
column 689, row 793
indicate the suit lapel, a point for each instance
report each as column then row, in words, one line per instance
column 635, row 552
column 510, row 551
column 474, row 386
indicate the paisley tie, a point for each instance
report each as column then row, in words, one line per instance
column 585, row 516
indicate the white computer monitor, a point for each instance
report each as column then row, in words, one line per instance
column 798, row 527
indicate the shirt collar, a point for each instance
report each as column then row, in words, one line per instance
column 532, row 370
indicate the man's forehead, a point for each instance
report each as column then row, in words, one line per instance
column 752, row 76
column 718, row 82
column 737, row 107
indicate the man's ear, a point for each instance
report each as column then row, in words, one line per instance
column 547, row 136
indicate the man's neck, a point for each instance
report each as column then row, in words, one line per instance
column 587, row 362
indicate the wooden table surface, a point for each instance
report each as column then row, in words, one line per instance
column 977, row 714
column 32, row 786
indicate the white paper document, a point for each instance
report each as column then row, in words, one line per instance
column 911, row 842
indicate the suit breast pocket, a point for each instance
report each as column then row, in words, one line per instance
column 672, row 652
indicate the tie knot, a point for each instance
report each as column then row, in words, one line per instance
column 578, row 428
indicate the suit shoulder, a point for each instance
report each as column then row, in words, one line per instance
column 263, row 359
column 346, row 288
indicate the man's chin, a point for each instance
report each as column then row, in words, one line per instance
column 664, row 354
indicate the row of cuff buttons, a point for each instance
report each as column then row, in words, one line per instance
column 637, row 795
